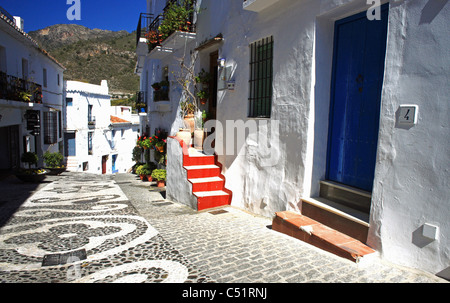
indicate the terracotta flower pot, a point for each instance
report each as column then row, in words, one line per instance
column 149, row 178
column 161, row 183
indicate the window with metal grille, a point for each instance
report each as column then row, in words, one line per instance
column 50, row 127
column 261, row 76
column 90, row 145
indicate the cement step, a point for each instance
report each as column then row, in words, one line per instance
column 346, row 195
column 207, row 184
column 319, row 235
column 346, row 220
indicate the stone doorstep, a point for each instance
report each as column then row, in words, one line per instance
column 319, row 235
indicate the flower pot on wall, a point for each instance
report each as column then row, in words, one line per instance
column 185, row 135
column 199, row 136
column 189, row 121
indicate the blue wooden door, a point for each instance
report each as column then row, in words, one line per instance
column 70, row 145
column 358, row 69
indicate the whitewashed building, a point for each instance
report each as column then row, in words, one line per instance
column 31, row 96
column 99, row 138
column 343, row 108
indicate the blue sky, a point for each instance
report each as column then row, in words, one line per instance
column 103, row 14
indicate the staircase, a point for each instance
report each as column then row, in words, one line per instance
column 71, row 163
column 337, row 221
column 204, row 173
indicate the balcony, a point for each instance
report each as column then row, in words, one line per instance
column 171, row 29
column 17, row 89
column 91, row 122
column 142, row 32
column 141, row 102
column 258, row 5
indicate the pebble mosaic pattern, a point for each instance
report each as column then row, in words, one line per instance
column 83, row 212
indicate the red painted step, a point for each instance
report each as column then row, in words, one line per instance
column 207, row 184
column 204, row 172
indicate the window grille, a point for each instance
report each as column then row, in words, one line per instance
column 261, row 77
column 50, row 127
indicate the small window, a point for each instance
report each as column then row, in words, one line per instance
column 261, row 77
column 44, row 77
column 69, row 101
column 58, row 80
column 2, row 59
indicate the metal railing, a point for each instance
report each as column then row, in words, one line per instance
column 145, row 20
column 17, row 89
column 168, row 22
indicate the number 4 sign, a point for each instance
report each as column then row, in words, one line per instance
column 408, row 114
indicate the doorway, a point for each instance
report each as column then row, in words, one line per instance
column 213, row 71
column 358, row 70
column 104, row 160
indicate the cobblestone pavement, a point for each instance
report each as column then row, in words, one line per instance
column 88, row 228
column 82, row 228
column 238, row 247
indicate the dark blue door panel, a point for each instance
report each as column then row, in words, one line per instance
column 358, row 68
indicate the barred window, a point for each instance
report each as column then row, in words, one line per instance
column 90, row 145
column 261, row 76
column 50, row 127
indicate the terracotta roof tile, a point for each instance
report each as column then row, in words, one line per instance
column 115, row 119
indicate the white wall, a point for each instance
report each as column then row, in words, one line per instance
column 104, row 144
column 411, row 181
column 412, row 178
column 16, row 50
column 411, row 185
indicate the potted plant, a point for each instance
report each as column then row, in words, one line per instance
column 156, row 86
column 139, row 171
column 141, row 107
column 54, row 163
column 159, row 175
column 30, row 175
column 203, row 96
column 159, row 144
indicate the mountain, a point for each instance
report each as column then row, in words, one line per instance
column 92, row 55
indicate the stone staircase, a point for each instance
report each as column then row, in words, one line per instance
column 71, row 163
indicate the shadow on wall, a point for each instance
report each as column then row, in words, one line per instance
column 431, row 10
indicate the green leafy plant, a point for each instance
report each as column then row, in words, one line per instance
column 53, row 160
column 159, row 174
column 203, row 94
column 146, row 169
column 30, row 158
column 176, row 18
column 203, row 77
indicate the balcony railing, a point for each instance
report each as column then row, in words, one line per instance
column 141, row 101
column 17, row 89
column 143, row 26
column 91, row 121
column 178, row 15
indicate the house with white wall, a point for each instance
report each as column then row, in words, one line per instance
column 31, row 96
column 99, row 138
column 342, row 110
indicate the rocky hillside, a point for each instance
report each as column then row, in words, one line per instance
column 91, row 55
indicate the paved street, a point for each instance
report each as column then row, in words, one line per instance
column 88, row 228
